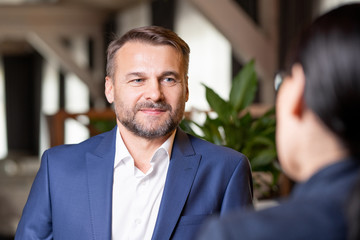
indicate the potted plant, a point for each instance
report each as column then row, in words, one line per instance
column 234, row 126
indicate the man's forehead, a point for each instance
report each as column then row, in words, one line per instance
column 144, row 43
column 133, row 48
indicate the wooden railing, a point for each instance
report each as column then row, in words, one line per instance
column 56, row 123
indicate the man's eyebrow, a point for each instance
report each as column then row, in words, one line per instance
column 170, row 73
column 162, row 75
column 135, row 74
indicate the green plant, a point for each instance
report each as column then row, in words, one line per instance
column 99, row 125
column 234, row 127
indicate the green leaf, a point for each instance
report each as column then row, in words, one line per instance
column 262, row 140
column 219, row 105
column 244, row 87
column 263, row 158
column 245, row 121
column 266, row 122
column 186, row 126
column 234, row 137
column 102, row 125
column 211, row 131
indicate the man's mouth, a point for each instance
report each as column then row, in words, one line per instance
column 153, row 111
column 153, row 108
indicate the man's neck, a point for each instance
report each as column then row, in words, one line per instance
column 141, row 149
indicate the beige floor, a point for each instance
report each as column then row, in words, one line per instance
column 15, row 184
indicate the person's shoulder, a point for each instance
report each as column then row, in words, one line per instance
column 289, row 220
column 209, row 149
column 86, row 145
column 208, row 146
column 244, row 223
column 314, row 220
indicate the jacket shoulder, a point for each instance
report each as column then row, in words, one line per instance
column 68, row 150
column 204, row 147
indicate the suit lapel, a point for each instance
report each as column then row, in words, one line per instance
column 100, row 166
column 182, row 170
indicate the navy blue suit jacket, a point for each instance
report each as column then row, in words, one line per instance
column 315, row 210
column 71, row 197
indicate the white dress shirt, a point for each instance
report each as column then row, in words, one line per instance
column 137, row 195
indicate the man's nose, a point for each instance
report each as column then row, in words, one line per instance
column 154, row 90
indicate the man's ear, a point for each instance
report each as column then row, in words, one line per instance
column 109, row 89
column 187, row 89
column 297, row 89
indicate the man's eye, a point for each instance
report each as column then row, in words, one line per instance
column 169, row 81
column 136, row 82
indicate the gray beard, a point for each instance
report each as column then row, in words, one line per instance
column 140, row 130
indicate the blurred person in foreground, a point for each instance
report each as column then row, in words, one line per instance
column 318, row 129
column 145, row 179
column 354, row 213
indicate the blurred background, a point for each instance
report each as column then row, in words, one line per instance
column 52, row 62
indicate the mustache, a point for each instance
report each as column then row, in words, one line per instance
column 156, row 105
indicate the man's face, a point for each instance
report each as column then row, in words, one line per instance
column 149, row 89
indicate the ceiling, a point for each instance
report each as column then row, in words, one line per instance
column 101, row 4
column 105, row 4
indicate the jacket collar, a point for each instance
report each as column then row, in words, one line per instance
column 184, row 163
column 100, row 166
column 183, row 167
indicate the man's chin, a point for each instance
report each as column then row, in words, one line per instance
column 155, row 131
column 150, row 128
column 152, row 134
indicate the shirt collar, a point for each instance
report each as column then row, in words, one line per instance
column 121, row 152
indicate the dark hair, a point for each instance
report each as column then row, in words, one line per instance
column 353, row 212
column 329, row 52
column 154, row 35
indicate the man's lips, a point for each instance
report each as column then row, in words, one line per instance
column 153, row 111
column 150, row 108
